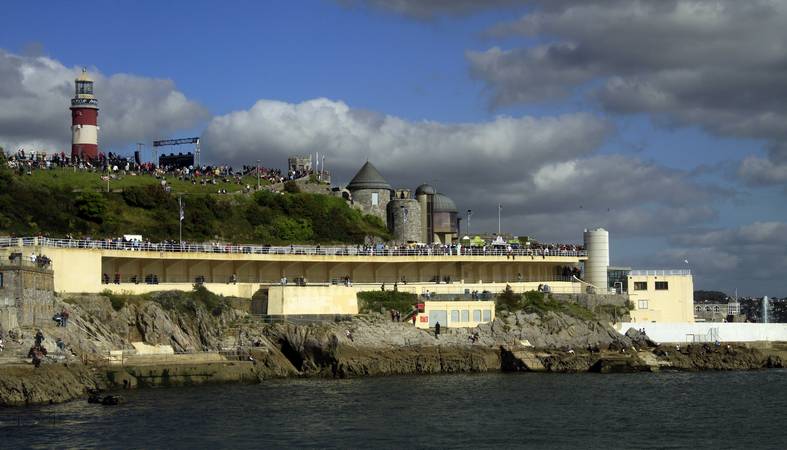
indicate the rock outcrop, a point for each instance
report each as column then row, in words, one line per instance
column 246, row 350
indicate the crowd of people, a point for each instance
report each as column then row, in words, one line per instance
column 123, row 243
column 112, row 164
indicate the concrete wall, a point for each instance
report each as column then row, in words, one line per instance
column 708, row 331
column 312, row 300
column 457, row 314
column 26, row 297
column 80, row 270
column 674, row 305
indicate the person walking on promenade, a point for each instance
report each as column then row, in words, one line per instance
column 437, row 330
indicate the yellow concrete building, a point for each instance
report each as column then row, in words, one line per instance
column 661, row 295
column 296, row 279
column 456, row 314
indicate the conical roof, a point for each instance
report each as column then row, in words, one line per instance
column 368, row 178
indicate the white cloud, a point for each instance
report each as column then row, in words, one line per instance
column 545, row 170
column 34, row 101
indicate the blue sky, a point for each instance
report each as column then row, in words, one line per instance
column 530, row 87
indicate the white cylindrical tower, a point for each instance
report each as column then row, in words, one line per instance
column 84, row 119
column 597, row 246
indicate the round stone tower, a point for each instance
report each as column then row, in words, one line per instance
column 425, row 196
column 370, row 191
column 404, row 220
column 84, row 119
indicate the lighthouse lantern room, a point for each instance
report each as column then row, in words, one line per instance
column 84, row 119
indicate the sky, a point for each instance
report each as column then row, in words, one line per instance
column 663, row 121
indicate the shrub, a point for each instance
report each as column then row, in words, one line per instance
column 291, row 187
column 376, row 301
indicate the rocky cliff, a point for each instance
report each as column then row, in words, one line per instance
column 366, row 346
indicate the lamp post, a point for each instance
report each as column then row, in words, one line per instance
column 469, row 215
column 258, row 174
column 499, row 210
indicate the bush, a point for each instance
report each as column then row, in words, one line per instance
column 291, row 187
column 540, row 303
column 376, row 301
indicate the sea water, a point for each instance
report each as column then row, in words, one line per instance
column 643, row 410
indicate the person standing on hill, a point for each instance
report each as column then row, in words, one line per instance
column 437, row 330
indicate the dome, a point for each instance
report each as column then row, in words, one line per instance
column 84, row 76
column 443, row 204
column 368, row 178
column 425, row 189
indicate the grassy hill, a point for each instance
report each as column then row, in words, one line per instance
column 59, row 202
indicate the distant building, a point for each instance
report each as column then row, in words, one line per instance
column 430, row 217
column 718, row 312
column 299, row 163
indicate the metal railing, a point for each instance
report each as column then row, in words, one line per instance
column 660, row 273
column 441, row 250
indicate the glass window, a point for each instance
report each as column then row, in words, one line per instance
column 476, row 315
column 698, row 308
column 642, row 304
column 465, row 315
column 455, row 315
column 375, row 199
column 662, row 286
column 640, row 285
column 487, row 315
column 716, row 308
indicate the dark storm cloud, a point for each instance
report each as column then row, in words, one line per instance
column 720, row 65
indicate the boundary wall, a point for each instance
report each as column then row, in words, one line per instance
column 710, row 331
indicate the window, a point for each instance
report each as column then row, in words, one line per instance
column 698, row 308
column 662, row 285
column 732, row 309
column 640, row 285
column 455, row 315
column 707, row 309
column 642, row 304
column 487, row 315
column 375, row 198
column 465, row 315
column 476, row 315
column 716, row 308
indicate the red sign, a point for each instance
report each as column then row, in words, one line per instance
column 425, row 319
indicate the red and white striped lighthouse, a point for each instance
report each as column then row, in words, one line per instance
column 84, row 119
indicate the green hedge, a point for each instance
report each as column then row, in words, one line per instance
column 376, row 301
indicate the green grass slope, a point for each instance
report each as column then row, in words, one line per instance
column 56, row 203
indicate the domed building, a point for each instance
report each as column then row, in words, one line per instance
column 428, row 218
column 444, row 226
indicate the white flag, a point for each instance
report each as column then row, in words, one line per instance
column 182, row 214
column 686, row 261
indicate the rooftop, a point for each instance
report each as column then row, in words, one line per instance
column 368, row 178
